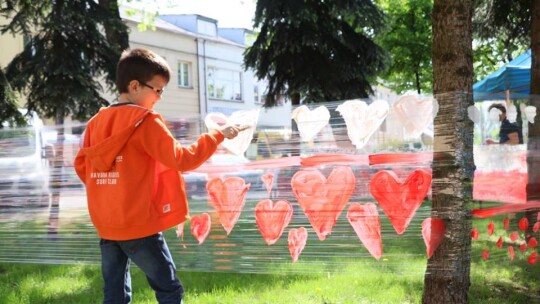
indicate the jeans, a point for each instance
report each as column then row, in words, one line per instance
column 152, row 256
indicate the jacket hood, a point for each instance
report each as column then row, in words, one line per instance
column 107, row 138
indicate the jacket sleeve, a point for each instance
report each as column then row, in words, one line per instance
column 161, row 145
column 80, row 160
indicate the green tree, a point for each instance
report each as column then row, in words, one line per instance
column 408, row 40
column 501, row 31
column 8, row 105
column 447, row 277
column 316, row 50
column 59, row 68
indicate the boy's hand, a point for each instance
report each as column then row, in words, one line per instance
column 230, row 132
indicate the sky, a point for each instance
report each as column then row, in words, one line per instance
column 228, row 13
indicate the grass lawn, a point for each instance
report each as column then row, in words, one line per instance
column 514, row 282
column 338, row 270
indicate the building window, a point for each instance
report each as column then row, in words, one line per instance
column 184, row 71
column 260, row 89
column 206, row 28
column 224, row 84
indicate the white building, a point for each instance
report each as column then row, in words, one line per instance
column 224, row 85
column 207, row 72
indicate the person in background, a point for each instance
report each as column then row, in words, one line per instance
column 509, row 133
column 131, row 163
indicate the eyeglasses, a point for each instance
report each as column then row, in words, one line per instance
column 158, row 91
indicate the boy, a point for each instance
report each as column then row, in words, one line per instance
column 130, row 164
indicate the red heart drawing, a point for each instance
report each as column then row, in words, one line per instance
column 366, row 223
column 514, row 236
column 297, row 241
column 200, row 226
column 533, row 258
column 523, row 224
column 228, row 196
column 323, row 199
column 485, row 254
column 268, row 181
column 511, row 252
column 536, row 227
column 399, row 201
column 433, row 234
column 491, row 228
column 500, row 242
column 532, row 242
column 474, row 234
column 506, row 223
column 272, row 219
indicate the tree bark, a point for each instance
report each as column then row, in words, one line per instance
column 533, row 144
column 447, row 277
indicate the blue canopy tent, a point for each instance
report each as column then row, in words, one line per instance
column 513, row 79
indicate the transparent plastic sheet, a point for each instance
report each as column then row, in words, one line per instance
column 364, row 229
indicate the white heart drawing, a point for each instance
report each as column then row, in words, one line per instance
column 362, row 120
column 474, row 114
column 310, row 122
column 530, row 113
column 494, row 114
column 415, row 114
column 511, row 113
column 240, row 143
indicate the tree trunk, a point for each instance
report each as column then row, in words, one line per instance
column 447, row 276
column 533, row 144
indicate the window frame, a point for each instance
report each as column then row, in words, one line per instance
column 180, row 74
column 212, row 78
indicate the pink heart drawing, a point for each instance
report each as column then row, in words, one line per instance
column 485, row 254
column 491, row 228
column 532, row 243
column 297, row 241
column 228, row 196
column 321, row 199
column 268, row 181
column 500, row 242
column 533, row 258
column 366, row 223
column 272, row 218
column 474, row 234
column 523, row 224
column 200, row 226
column 433, row 233
column 511, row 252
column 240, row 143
column 514, row 236
column 399, row 201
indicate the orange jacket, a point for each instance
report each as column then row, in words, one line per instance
column 130, row 164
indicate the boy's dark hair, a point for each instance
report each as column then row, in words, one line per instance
column 140, row 65
column 498, row 106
